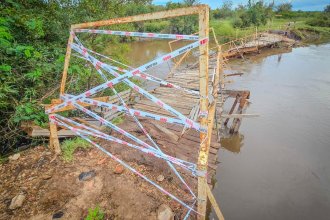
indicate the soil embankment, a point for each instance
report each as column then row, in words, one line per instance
column 52, row 187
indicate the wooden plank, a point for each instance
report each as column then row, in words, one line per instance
column 240, row 115
column 214, row 203
column 166, row 131
column 71, row 107
column 144, row 17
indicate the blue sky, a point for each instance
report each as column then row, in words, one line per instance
column 305, row 5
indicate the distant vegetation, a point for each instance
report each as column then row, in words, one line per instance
column 33, row 38
column 230, row 22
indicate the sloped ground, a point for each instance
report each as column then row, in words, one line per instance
column 51, row 186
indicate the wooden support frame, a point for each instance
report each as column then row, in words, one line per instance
column 203, row 15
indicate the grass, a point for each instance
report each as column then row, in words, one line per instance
column 3, row 159
column 118, row 120
column 225, row 31
column 95, row 214
column 69, row 146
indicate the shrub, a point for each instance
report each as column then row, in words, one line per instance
column 321, row 21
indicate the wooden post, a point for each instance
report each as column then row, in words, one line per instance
column 203, row 88
column 66, row 64
column 54, row 143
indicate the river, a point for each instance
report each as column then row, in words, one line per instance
column 278, row 166
column 281, row 169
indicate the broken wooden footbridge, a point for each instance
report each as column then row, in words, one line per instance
column 180, row 122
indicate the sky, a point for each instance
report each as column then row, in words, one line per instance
column 304, row 5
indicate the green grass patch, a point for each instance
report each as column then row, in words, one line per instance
column 95, row 214
column 3, row 159
column 69, row 146
column 118, row 120
column 225, row 30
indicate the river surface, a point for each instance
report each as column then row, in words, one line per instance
column 278, row 166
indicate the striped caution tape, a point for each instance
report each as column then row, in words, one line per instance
column 138, row 34
column 142, row 75
column 189, row 123
column 135, row 171
column 95, row 63
column 110, row 125
column 129, row 74
column 95, row 133
column 133, row 111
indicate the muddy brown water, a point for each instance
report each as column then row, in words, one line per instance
column 278, row 166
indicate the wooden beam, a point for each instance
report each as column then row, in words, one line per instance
column 214, row 203
column 232, row 108
column 144, row 17
column 240, row 115
column 203, row 88
column 71, row 107
column 66, row 65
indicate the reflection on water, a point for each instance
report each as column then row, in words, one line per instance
column 283, row 170
column 142, row 52
column 233, row 143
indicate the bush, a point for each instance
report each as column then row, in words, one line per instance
column 321, row 21
column 237, row 22
column 156, row 26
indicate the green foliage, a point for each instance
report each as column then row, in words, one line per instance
column 322, row 20
column 118, row 120
column 327, row 9
column 256, row 14
column 69, row 146
column 95, row 214
column 30, row 111
column 156, row 26
column 33, row 37
column 223, row 30
column 185, row 24
column 224, row 11
column 284, row 7
column 3, row 159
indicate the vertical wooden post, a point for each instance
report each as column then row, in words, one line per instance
column 203, row 88
column 66, row 64
column 54, row 143
column 53, row 138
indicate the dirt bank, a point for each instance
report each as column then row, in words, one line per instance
column 52, row 186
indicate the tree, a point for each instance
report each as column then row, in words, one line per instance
column 327, row 9
column 224, row 11
column 254, row 13
column 191, row 2
column 284, row 7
